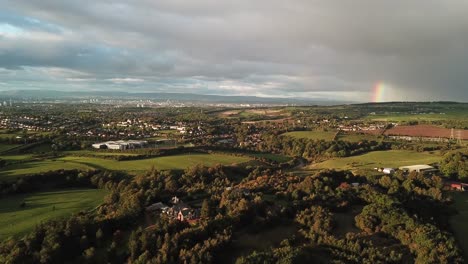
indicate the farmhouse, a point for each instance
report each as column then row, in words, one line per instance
column 179, row 211
column 121, row 144
column 419, row 168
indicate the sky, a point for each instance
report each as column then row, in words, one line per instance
column 357, row 50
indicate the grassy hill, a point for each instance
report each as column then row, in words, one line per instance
column 175, row 162
column 43, row 206
column 389, row 158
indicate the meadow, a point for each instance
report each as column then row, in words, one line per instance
column 405, row 117
column 314, row 135
column 356, row 137
column 6, row 147
column 270, row 156
column 175, row 162
column 330, row 135
column 389, row 158
column 11, row 172
column 43, row 206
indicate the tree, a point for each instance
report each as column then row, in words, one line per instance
column 205, row 209
column 455, row 165
column 99, row 236
column 89, row 254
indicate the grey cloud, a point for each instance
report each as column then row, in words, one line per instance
column 269, row 47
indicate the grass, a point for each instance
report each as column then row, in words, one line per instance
column 389, row 158
column 459, row 222
column 5, row 147
column 329, row 135
column 446, row 115
column 11, row 172
column 357, row 137
column 315, row 135
column 176, row 162
column 99, row 153
column 41, row 148
column 16, row 157
column 274, row 157
column 17, row 221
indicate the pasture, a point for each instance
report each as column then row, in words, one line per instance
column 99, row 153
column 357, row 137
column 404, row 117
column 314, row 135
column 11, row 172
column 389, row 158
column 5, row 147
column 330, row 135
column 43, row 206
column 175, row 162
column 273, row 157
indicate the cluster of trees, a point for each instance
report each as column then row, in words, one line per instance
column 78, row 237
column 314, row 149
column 455, row 165
column 395, row 218
column 428, row 242
column 400, row 220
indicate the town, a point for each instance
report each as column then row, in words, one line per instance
column 230, row 175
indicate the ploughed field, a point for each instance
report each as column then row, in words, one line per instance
column 38, row 207
column 426, row 131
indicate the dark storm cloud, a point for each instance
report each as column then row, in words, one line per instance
column 272, row 48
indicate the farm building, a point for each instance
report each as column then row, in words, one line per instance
column 157, row 207
column 388, row 170
column 456, row 186
column 419, row 168
column 121, row 144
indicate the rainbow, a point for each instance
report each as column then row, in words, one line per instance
column 378, row 92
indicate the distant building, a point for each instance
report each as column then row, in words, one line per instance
column 121, row 144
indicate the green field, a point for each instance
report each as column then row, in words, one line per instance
column 274, row 157
column 389, row 158
column 329, row 135
column 16, row 157
column 459, row 222
column 5, row 147
column 356, row 137
column 315, row 135
column 15, row 221
column 176, row 162
column 454, row 115
column 99, row 153
column 10, row 172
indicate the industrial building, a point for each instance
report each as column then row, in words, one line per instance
column 121, row 144
column 419, row 168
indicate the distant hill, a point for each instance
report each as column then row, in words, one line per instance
column 181, row 97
